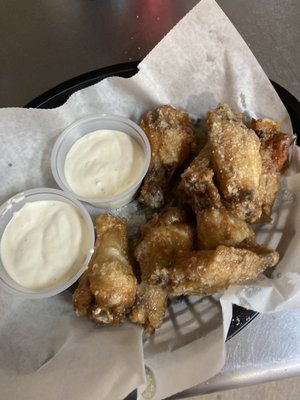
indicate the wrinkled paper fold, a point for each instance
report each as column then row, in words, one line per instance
column 46, row 351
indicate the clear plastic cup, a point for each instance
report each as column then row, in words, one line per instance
column 13, row 205
column 87, row 125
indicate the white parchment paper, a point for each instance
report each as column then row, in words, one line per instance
column 46, row 351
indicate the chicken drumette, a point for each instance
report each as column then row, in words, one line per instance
column 108, row 287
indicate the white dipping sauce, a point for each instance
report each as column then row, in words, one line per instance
column 103, row 163
column 44, row 244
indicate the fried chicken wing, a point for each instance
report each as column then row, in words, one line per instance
column 172, row 141
column 274, row 154
column 108, row 287
column 197, row 182
column 274, row 142
column 206, row 272
column 162, row 237
column 239, row 168
column 217, row 226
column 236, row 161
column 149, row 308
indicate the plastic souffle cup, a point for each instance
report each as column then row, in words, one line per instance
column 86, row 126
column 16, row 203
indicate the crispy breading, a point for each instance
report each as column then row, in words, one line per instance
column 197, row 182
column 162, row 237
column 239, row 168
column 217, row 226
column 172, row 141
column 236, row 161
column 205, row 272
column 150, row 305
column 274, row 154
column 108, row 287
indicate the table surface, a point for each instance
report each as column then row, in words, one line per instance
column 44, row 43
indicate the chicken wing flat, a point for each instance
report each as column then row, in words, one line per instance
column 162, row 237
column 206, row 272
column 274, row 154
column 216, row 226
column 197, row 182
column 274, row 143
column 149, row 308
column 236, row 161
column 172, row 141
column 108, row 287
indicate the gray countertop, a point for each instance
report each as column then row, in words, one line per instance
column 267, row 349
column 44, row 43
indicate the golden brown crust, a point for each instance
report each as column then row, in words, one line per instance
column 239, row 168
column 206, row 272
column 108, row 287
column 217, row 226
column 149, row 308
column 236, row 161
column 172, row 141
column 197, row 182
column 274, row 155
column 162, row 238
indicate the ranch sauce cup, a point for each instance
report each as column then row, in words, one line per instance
column 46, row 241
column 101, row 160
